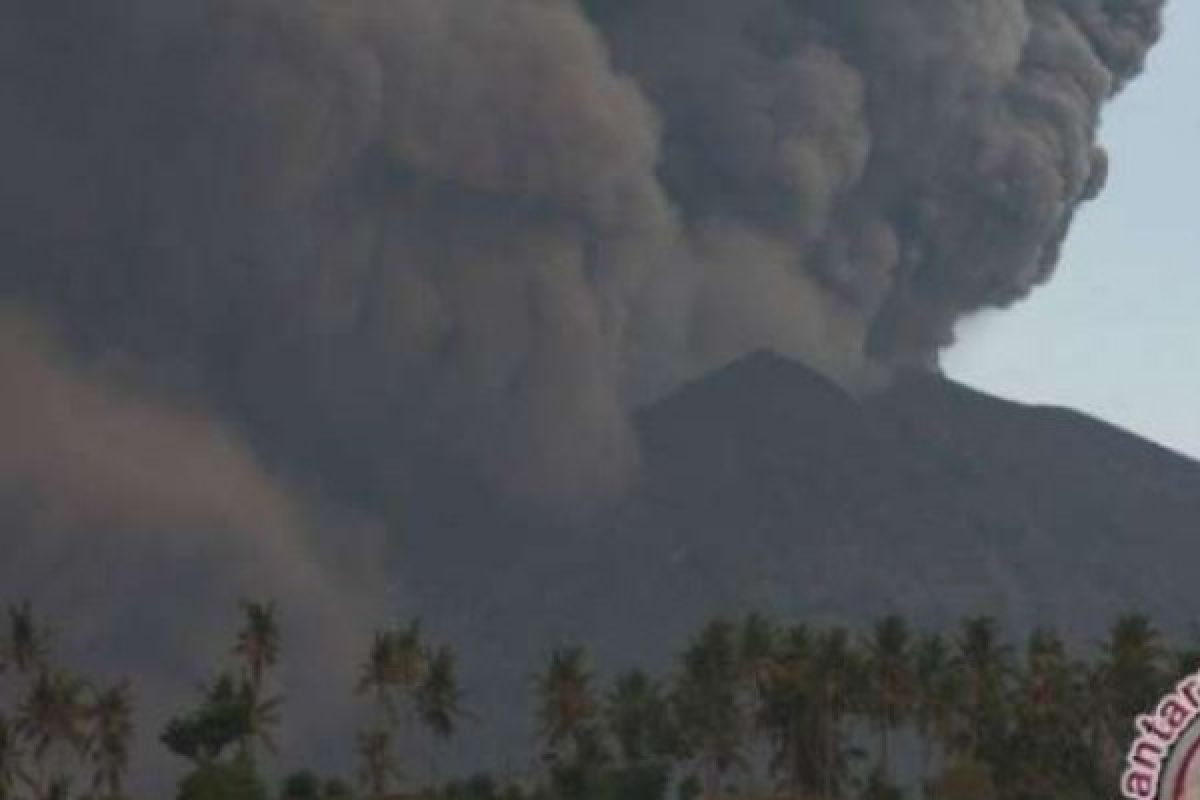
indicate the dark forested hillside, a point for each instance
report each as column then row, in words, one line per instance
column 765, row 487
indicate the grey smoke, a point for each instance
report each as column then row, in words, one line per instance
column 135, row 526
column 493, row 225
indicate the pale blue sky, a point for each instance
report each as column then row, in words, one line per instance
column 1117, row 332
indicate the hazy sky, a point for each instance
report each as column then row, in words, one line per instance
column 1117, row 332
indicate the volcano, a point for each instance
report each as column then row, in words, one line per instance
column 767, row 488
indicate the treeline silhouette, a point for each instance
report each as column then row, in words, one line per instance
column 751, row 709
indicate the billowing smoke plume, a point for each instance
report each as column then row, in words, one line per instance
column 369, row 227
column 856, row 176
column 333, row 242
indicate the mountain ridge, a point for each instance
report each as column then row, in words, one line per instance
column 768, row 488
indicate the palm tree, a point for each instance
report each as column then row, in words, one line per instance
column 837, row 673
column 565, row 697
column 937, row 699
column 258, row 640
column 24, row 648
column 395, row 674
column 787, row 711
column 53, row 712
column 408, row 657
column 1045, row 757
column 639, row 717
column 756, row 645
column 231, row 713
column 438, row 695
column 377, row 674
column 111, row 717
column 889, row 681
column 706, row 702
column 51, row 719
column 258, row 646
column 378, row 764
column 394, row 669
column 11, row 758
column 261, row 716
column 982, row 664
column 1185, row 660
column 58, row 787
column 1127, row 679
column 1132, row 659
column 755, row 650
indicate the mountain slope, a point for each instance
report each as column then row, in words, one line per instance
column 767, row 488
column 930, row 499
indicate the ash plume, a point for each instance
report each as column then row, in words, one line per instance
column 131, row 522
column 306, row 243
column 490, row 226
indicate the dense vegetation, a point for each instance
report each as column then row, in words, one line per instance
column 752, row 709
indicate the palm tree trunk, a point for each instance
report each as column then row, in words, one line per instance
column 830, row 746
column 803, row 753
column 711, row 780
column 926, row 761
column 885, row 761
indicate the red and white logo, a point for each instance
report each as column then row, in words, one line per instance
column 1164, row 760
